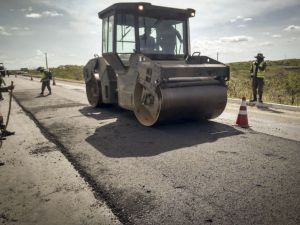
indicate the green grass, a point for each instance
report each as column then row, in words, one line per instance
column 282, row 81
column 70, row 72
column 73, row 72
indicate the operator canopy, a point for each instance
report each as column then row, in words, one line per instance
column 142, row 27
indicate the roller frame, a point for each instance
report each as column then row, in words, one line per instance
column 157, row 88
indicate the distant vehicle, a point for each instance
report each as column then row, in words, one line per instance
column 3, row 71
column 147, row 67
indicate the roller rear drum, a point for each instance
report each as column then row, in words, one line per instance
column 196, row 102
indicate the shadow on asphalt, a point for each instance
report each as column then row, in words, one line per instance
column 263, row 107
column 42, row 96
column 125, row 137
column 267, row 109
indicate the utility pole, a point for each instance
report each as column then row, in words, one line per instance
column 46, row 60
column 284, row 61
column 217, row 56
column 53, row 79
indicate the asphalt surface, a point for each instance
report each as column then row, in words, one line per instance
column 38, row 185
column 185, row 173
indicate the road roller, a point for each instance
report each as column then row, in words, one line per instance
column 147, row 66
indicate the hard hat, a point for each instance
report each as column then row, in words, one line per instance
column 259, row 55
column 41, row 69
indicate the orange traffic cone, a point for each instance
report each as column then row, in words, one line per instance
column 242, row 119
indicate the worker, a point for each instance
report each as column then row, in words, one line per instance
column 166, row 37
column 47, row 76
column 1, row 82
column 147, row 42
column 257, row 71
column 4, row 132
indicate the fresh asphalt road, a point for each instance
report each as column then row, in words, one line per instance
column 38, row 185
column 188, row 173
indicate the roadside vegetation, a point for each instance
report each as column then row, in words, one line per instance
column 282, row 82
column 68, row 72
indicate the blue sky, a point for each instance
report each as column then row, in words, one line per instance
column 70, row 31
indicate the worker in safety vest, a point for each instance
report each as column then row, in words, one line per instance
column 46, row 77
column 1, row 82
column 257, row 71
column 3, row 131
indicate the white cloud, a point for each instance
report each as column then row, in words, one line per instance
column 236, row 39
column 14, row 28
column 276, row 36
column 266, row 33
column 247, row 19
column 292, row 28
column 4, row 32
column 210, row 15
column 39, row 53
column 43, row 14
column 29, row 9
column 19, row 31
column 8, row 31
column 267, row 43
column 51, row 13
column 235, row 19
column 228, row 52
column 240, row 19
column 33, row 15
column 242, row 26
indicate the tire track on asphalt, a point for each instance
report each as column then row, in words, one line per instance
column 96, row 188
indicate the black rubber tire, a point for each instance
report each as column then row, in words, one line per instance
column 94, row 92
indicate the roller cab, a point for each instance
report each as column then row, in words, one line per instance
column 146, row 66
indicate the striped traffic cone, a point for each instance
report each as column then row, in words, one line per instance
column 242, row 119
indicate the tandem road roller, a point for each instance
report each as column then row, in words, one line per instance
column 147, row 67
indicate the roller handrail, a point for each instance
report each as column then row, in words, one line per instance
column 183, row 79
